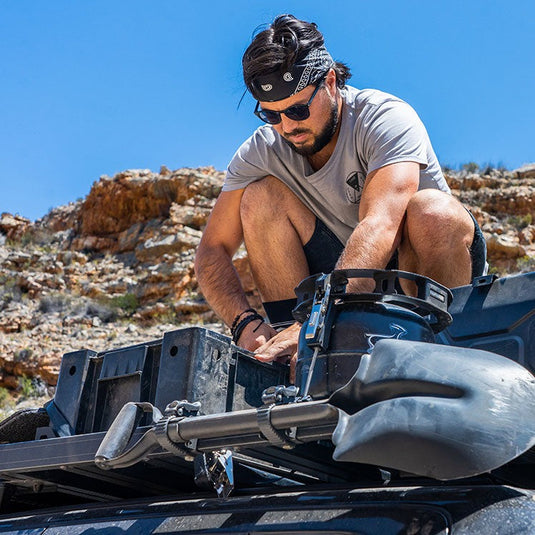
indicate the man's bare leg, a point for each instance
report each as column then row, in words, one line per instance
column 276, row 225
column 437, row 236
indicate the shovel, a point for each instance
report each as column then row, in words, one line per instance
column 432, row 410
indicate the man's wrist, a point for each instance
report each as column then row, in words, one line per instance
column 238, row 316
column 239, row 326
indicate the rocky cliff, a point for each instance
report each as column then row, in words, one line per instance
column 117, row 267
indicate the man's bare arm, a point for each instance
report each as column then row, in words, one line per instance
column 381, row 215
column 215, row 271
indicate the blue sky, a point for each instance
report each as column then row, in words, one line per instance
column 95, row 87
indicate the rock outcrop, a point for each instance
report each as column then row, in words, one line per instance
column 117, row 267
column 503, row 202
column 111, row 270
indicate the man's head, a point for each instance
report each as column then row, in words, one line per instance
column 287, row 57
column 295, row 80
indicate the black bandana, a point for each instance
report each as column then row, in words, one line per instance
column 283, row 84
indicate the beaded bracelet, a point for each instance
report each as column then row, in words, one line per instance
column 239, row 328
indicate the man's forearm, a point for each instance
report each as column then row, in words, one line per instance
column 220, row 284
column 370, row 246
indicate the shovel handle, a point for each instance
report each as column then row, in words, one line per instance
column 119, row 434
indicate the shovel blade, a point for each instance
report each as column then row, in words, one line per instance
column 438, row 411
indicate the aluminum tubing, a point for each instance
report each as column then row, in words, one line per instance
column 300, row 415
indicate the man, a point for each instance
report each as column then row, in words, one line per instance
column 338, row 178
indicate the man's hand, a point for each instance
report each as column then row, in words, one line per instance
column 282, row 347
column 255, row 335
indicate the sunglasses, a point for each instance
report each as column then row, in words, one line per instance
column 297, row 112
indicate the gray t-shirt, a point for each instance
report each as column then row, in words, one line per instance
column 377, row 129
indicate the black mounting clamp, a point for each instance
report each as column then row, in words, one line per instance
column 279, row 395
column 182, row 408
column 215, row 470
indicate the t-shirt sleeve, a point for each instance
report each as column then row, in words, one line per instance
column 247, row 164
column 393, row 132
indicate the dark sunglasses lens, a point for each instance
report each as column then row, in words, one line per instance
column 299, row 112
column 271, row 117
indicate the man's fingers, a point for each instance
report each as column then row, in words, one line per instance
column 274, row 348
column 273, row 351
column 282, row 348
column 256, row 335
column 284, row 344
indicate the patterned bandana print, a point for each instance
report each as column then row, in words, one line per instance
column 283, row 84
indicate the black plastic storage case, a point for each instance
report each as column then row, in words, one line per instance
column 192, row 364
column 496, row 315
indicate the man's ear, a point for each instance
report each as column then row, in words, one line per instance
column 330, row 81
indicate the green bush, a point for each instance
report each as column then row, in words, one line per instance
column 9, row 290
column 6, row 403
column 520, row 221
column 470, row 167
column 128, row 303
column 27, row 387
column 4, row 396
column 525, row 264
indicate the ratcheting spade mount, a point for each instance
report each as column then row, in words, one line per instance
column 339, row 327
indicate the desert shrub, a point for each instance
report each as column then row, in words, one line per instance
column 4, row 396
column 128, row 303
column 31, row 387
column 54, row 303
column 470, row 167
column 103, row 311
column 525, row 264
column 487, row 168
column 67, row 305
column 520, row 221
column 6, row 403
column 23, row 355
column 9, row 291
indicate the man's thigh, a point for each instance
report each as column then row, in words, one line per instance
column 322, row 252
column 269, row 202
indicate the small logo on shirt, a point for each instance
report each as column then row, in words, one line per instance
column 355, row 183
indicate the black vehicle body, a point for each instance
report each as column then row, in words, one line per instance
column 112, row 453
column 471, row 508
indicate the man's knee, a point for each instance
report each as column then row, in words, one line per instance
column 436, row 213
column 269, row 201
column 258, row 200
column 431, row 203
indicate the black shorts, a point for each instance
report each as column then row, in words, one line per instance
column 478, row 251
column 324, row 248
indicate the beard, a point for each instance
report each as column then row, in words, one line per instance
column 321, row 140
